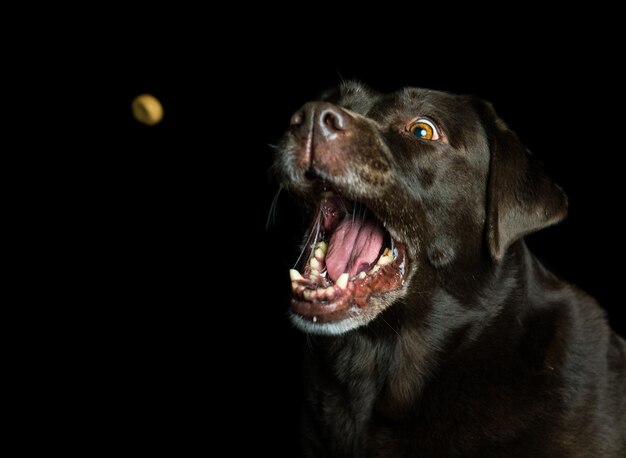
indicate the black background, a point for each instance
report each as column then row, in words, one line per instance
column 197, row 347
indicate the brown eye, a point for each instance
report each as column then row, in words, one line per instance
column 425, row 129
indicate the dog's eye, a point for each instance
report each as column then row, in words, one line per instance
column 423, row 128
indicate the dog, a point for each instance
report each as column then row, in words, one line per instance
column 433, row 331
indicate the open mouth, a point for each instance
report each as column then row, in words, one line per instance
column 350, row 257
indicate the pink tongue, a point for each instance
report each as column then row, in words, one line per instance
column 354, row 246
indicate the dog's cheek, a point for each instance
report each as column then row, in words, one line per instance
column 427, row 176
column 441, row 252
column 374, row 172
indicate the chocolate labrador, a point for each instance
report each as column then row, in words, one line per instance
column 436, row 332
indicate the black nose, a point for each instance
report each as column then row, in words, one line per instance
column 322, row 121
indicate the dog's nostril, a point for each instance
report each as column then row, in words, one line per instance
column 332, row 120
column 320, row 121
column 298, row 118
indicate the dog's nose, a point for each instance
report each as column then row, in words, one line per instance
column 320, row 120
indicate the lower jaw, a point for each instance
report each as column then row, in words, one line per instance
column 353, row 300
column 333, row 328
column 324, row 313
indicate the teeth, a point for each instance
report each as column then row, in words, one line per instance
column 314, row 319
column 375, row 269
column 385, row 258
column 342, row 281
column 295, row 275
column 320, row 250
column 294, row 286
column 308, row 294
column 362, row 275
column 315, row 264
column 330, row 292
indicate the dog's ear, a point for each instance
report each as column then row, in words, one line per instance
column 521, row 198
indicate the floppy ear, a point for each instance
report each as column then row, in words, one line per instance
column 520, row 197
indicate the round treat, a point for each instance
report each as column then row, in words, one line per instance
column 147, row 109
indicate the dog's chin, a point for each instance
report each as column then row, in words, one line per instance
column 360, row 316
column 353, row 269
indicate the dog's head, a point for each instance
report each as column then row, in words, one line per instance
column 407, row 192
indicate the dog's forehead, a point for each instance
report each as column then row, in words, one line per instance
column 406, row 102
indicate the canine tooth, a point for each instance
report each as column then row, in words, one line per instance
column 314, row 319
column 375, row 269
column 342, row 281
column 320, row 250
column 385, row 258
column 294, row 286
column 362, row 275
column 315, row 264
column 295, row 275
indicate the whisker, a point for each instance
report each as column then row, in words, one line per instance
column 343, row 81
column 308, row 242
column 271, row 216
column 310, row 341
column 390, row 326
column 344, row 207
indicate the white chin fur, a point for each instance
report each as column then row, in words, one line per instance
column 326, row 329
